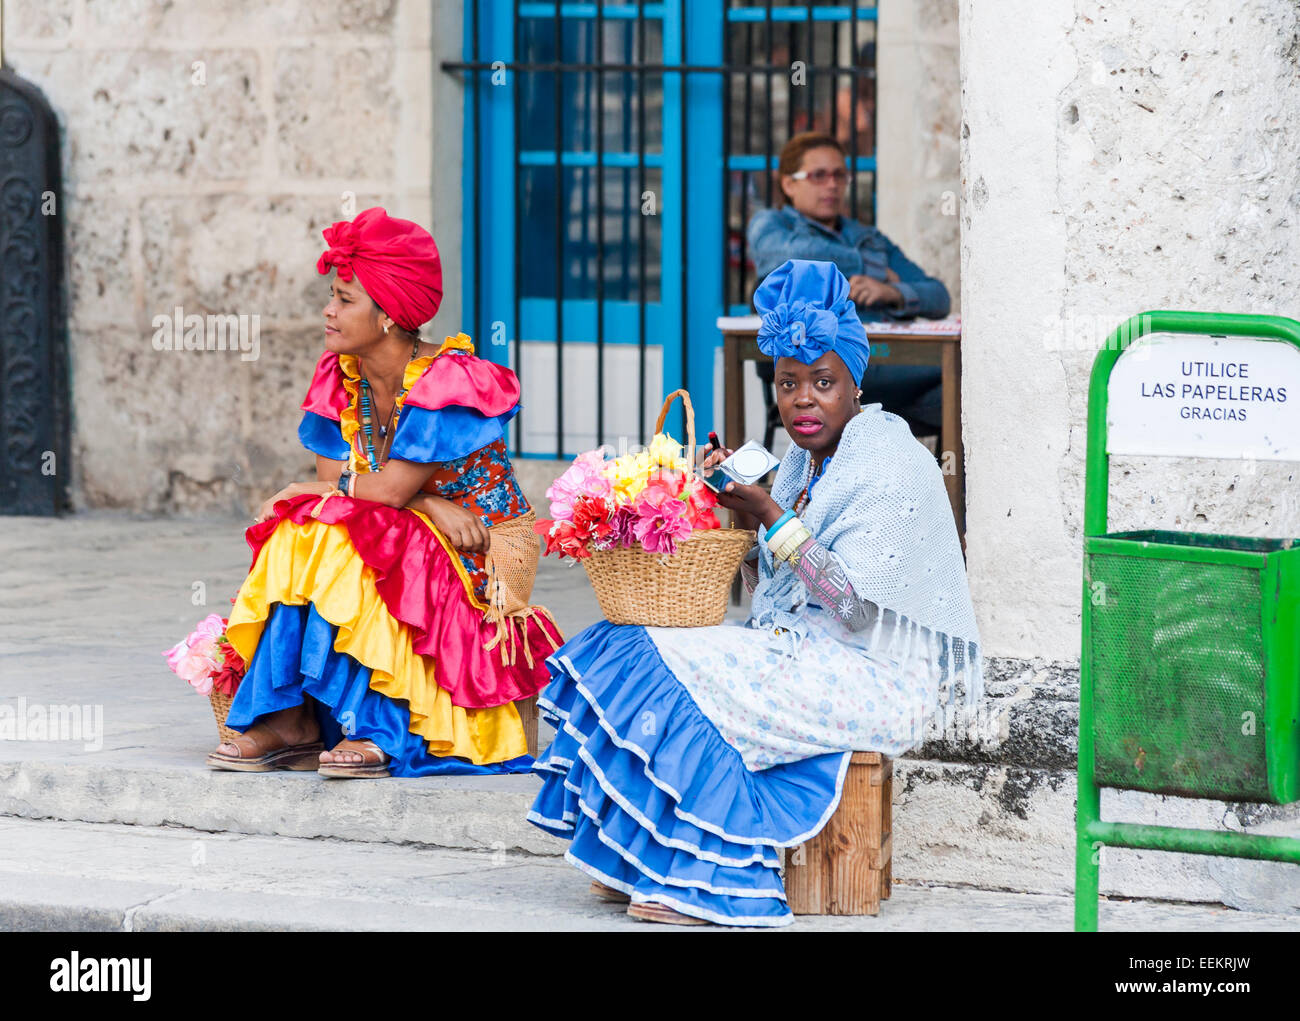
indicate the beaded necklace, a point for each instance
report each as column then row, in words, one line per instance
column 367, row 415
column 807, row 486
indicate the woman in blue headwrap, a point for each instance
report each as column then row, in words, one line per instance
column 685, row 757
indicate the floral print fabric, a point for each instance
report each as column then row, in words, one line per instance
column 485, row 483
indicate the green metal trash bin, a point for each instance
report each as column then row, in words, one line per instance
column 1190, row 660
column 1192, row 646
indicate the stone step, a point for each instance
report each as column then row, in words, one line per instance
column 470, row 812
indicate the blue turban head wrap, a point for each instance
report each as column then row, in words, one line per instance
column 806, row 311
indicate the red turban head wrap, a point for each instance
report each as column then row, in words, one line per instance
column 395, row 260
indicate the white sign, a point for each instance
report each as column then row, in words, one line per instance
column 1179, row 395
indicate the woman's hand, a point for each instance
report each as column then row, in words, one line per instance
column 715, row 457
column 267, row 509
column 752, row 500
column 462, row 527
column 865, row 290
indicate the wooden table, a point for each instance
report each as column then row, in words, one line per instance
column 891, row 344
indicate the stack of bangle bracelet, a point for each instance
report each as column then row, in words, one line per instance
column 786, row 535
column 347, row 482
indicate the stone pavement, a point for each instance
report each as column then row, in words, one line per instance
column 125, row 826
column 61, row 875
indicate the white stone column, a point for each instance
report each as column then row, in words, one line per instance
column 1116, row 158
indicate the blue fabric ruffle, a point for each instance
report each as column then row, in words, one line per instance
column 296, row 656
column 429, row 437
column 322, row 436
column 656, row 803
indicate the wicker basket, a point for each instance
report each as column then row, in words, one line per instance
column 220, row 708
column 689, row 588
column 511, row 563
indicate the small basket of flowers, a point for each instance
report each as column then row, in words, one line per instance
column 210, row 664
column 645, row 528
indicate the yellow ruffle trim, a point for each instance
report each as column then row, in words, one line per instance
column 315, row 563
column 350, row 417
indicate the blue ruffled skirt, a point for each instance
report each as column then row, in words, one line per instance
column 654, row 801
column 296, row 657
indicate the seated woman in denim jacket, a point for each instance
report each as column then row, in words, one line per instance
column 883, row 283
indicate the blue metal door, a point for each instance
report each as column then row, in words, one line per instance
column 576, row 275
column 598, row 150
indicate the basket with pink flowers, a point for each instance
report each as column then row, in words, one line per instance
column 646, row 529
column 210, row 664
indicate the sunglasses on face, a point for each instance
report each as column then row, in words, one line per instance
column 821, row 176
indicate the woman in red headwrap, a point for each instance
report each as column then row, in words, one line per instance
column 372, row 620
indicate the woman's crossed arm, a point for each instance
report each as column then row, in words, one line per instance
column 396, row 484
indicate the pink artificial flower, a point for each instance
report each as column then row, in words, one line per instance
column 203, row 658
column 176, row 653
column 211, row 626
column 661, row 517
column 205, row 654
column 203, row 685
column 585, row 477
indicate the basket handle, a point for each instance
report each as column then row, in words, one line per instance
column 690, row 425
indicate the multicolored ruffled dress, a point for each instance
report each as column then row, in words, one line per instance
column 369, row 610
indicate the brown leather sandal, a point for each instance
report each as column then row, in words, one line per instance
column 650, row 911
column 266, row 752
column 609, row 893
column 373, row 764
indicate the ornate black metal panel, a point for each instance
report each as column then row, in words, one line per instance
column 34, row 406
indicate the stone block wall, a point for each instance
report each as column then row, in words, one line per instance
column 205, row 146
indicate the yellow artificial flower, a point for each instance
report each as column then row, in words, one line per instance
column 629, row 475
column 666, row 452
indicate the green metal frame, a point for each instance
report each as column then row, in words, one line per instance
column 1283, row 609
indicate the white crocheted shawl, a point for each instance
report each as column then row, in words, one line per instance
column 882, row 509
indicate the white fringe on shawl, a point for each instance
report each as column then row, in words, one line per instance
column 881, row 507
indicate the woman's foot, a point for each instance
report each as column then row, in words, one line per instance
column 650, row 911
column 352, row 758
column 609, row 893
column 288, row 739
